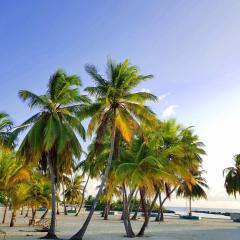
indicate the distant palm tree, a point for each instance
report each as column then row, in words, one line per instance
column 232, row 180
column 193, row 188
column 38, row 193
column 5, row 134
column 73, row 192
column 116, row 111
column 52, row 140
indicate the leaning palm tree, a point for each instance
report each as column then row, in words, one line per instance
column 52, row 140
column 232, row 180
column 115, row 112
column 193, row 188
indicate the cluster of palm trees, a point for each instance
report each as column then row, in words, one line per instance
column 133, row 154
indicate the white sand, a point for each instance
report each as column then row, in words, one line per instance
column 172, row 229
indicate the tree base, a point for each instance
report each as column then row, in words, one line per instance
column 50, row 236
column 131, row 236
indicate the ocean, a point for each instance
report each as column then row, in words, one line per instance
column 184, row 210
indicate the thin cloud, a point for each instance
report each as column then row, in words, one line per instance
column 145, row 90
column 162, row 98
column 169, row 111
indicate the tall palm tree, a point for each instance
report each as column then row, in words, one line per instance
column 232, row 180
column 52, row 140
column 116, row 111
column 193, row 188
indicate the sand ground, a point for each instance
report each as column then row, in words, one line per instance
column 172, row 229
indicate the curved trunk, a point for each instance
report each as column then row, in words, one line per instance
column 51, row 232
column 134, row 217
column 45, row 214
column 126, row 213
column 13, row 218
column 5, row 213
column 79, row 235
column 83, row 196
column 146, row 212
column 32, row 221
column 161, row 202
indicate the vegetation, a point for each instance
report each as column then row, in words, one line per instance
column 137, row 158
column 232, row 180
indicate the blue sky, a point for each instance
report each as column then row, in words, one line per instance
column 192, row 47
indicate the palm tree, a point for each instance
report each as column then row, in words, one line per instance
column 73, row 192
column 139, row 171
column 193, row 188
column 12, row 175
column 52, row 140
column 12, row 172
column 165, row 142
column 232, row 180
column 38, row 193
column 92, row 167
column 18, row 196
column 5, row 134
column 116, row 111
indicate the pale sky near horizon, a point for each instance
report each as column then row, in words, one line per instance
column 192, row 47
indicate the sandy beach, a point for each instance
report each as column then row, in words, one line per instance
column 172, row 229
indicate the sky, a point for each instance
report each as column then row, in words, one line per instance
column 192, row 48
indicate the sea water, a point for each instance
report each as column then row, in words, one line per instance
column 184, row 211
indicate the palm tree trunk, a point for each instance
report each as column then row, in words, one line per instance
column 134, row 217
column 5, row 213
column 161, row 202
column 79, row 235
column 51, row 232
column 121, row 216
column 83, row 195
column 13, row 218
column 64, row 199
column 132, row 204
column 27, row 213
column 106, row 211
column 159, row 217
column 45, row 214
column 190, row 205
column 58, row 212
column 153, row 204
column 145, row 212
column 126, row 213
column 33, row 216
column 22, row 211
